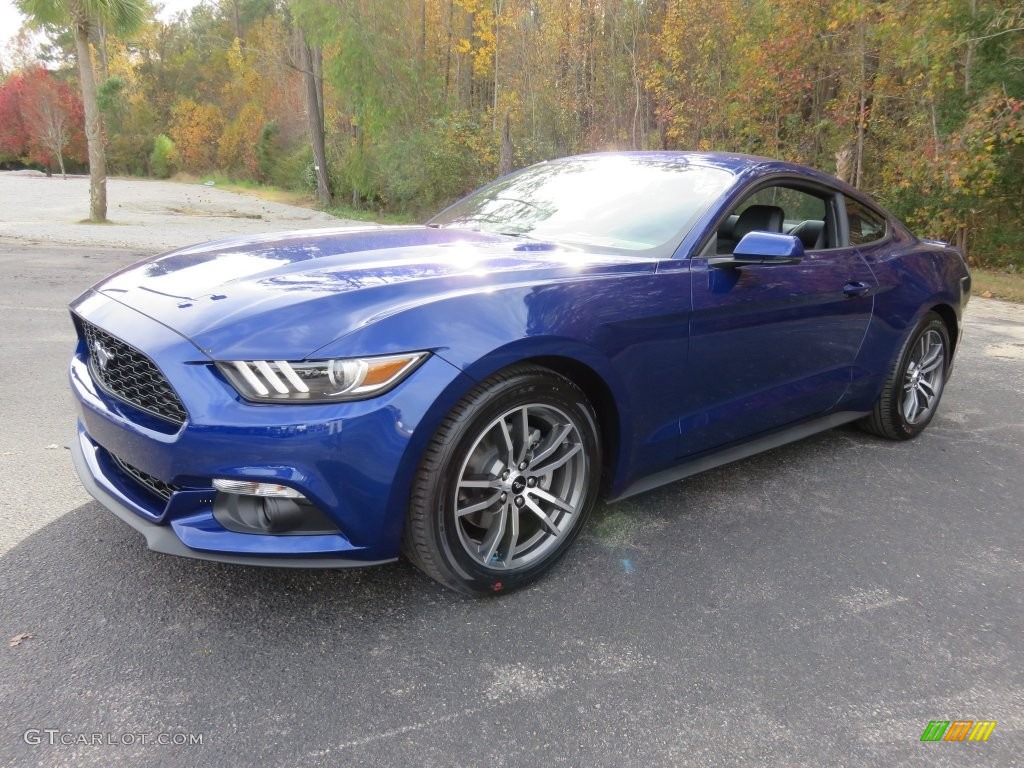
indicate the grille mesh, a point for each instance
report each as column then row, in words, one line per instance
column 153, row 484
column 129, row 375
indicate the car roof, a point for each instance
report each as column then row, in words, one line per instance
column 733, row 162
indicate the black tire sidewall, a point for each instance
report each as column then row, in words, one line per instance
column 500, row 398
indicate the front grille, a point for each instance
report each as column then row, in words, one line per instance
column 146, row 480
column 129, row 375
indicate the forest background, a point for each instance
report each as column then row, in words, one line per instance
column 398, row 107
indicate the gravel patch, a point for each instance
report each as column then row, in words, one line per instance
column 145, row 214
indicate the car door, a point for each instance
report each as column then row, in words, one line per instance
column 773, row 344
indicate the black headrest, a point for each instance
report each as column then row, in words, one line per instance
column 758, row 218
column 811, row 232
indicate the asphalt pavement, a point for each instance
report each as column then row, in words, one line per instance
column 815, row 605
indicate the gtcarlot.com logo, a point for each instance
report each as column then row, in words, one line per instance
column 56, row 737
column 958, row 730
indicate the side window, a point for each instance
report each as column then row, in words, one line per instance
column 778, row 209
column 796, row 205
column 866, row 226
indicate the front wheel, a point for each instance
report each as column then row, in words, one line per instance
column 914, row 385
column 506, row 484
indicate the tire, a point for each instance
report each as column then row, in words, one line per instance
column 913, row 388
column 506, row 484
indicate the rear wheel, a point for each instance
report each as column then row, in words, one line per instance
column 506, row 483
column 914, row 386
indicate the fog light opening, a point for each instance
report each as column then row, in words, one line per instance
column 246, row 512
column 280, row 515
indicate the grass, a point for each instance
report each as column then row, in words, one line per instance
column 377, row 217
column 299, row 199
column 997, row 285
column 262, row 191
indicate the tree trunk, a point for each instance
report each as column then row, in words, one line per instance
column 60, row 159
column 972, row 46
column 858, row 165
column 314, row 111
column 494, row 96
column 423, row 39
column 634, row 68
column 507, row 150
column 844, row 157
column 93, row 127
column 101, row 49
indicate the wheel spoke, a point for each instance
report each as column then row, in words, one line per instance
column 927, row 391
column 524, row 435
column 548, row 522
column 560, row 461
column 490, row 482
column 934, row 359
column 513, row 540
column 494, row 536
column 509, row 445
column 479, row 506
column 910, row 404
column 551, row 498
column 553, row 445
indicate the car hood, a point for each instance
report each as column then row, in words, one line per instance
column 290, row 294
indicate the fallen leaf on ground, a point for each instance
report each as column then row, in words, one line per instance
column 21, row 637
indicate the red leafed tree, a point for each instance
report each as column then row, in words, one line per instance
column 13, row 136
column 41, row 118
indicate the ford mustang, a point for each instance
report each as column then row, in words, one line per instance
column 464, row 391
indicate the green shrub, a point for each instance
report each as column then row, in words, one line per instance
column 163, row 159
column 268, row 150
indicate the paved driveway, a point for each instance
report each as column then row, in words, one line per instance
column 816, row 605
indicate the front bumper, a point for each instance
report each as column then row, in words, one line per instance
column 353, row 461
column 167, row 538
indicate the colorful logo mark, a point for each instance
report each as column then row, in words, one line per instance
column 958, row 730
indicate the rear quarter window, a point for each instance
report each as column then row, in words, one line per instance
column 865, row 225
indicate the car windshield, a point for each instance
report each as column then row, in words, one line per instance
column 628, row 204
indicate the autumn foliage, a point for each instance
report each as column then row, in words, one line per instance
column 41, row 119
column 917, row 103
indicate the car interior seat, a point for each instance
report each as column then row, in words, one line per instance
column 811, row 233
column 759, row 218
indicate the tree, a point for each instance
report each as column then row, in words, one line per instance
column 311, row 63
column 196, row 130
column 13, row 134
column 52, row 115
column 84, row 16
column 40, row 118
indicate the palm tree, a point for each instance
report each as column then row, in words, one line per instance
column 120, row 16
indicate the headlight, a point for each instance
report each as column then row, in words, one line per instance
column 319, row 381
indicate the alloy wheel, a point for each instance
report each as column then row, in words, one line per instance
column 521, row 487
column 924, row 377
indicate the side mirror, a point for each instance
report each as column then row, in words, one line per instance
column 762, row 248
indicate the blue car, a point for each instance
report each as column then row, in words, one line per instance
column 462, row 392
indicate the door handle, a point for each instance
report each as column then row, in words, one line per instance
column 850, row 290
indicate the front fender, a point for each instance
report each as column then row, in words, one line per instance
column 613, row 326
